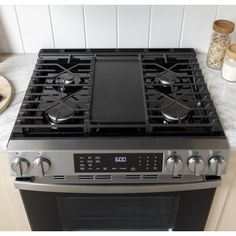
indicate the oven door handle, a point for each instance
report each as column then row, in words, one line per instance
column 115, row 189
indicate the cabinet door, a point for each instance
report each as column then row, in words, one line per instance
column 223, row 210
column 228, row 215
column 12, row 212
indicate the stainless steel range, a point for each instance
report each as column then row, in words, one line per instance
column 131, row 128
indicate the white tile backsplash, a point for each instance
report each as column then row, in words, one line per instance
column 68, row 26
column 10, row 38
column 166, row 25
column 133, row 26
column 28, row 28
column 35, row 26
column 228, row 12
column 100, row 23
column 197, row 27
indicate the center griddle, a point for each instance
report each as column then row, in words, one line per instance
column 118, row 95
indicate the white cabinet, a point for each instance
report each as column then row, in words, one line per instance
column 223, row 210
column 227, row 220
column 12, row 213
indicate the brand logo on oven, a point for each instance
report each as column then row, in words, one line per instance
column 120, row 159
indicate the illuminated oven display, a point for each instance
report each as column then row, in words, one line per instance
column 130, row 162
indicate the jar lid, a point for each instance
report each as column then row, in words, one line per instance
column 231, row 51
column 223, row 26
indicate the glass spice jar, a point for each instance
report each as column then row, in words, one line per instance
column 220, row 39
column 229, row 65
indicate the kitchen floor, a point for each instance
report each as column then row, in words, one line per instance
column 13, row 217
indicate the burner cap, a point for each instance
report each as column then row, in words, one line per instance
column 167, row 78
column 165, row 83
column 174, row 110
column 67, row 79
column 61, row 112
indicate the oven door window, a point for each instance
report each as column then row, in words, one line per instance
column 112, row 213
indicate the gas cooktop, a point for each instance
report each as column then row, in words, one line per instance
column 113, row 92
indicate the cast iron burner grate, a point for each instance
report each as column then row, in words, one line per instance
column 175, row 100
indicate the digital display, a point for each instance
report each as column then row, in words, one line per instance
column 127, row 162
column 120, row 159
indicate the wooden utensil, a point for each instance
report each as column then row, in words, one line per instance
column 6, row 93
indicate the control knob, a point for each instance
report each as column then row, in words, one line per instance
column 217, row 165
column 174, row 164
column 20, row 166
column 196, row 165
column 42, row 165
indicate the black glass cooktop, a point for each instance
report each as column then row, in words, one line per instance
column 111, row 92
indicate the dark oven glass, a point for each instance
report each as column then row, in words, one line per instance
column 113, row 212
column 183, row 210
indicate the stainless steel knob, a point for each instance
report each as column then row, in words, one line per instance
column 174, row 164
column 42, row 165
column 196, row 165
column 20, row 166
column 217, row 165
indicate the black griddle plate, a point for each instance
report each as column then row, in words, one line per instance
column 118, row 91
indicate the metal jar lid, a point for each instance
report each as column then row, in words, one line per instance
column 231, row 51
column 223, row 26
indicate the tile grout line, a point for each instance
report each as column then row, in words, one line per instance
column 84, row 25
column 149, row 26
column 19, row 28
column 217, row 11
column 52, row 31
column 182, row 27
column 117, row 26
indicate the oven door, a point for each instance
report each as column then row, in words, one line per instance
column 117, row 207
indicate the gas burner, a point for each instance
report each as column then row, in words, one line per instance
column 166, row 82
column 173, row 110
column 61, row 112
column 167, row 78
column 65, row 79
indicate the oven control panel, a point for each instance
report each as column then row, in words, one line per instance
column 127, row 162
column 154, row 164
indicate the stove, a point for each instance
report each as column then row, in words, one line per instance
column 117, row 139
column 113, row 112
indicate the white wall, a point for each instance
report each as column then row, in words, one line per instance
column 29, row 28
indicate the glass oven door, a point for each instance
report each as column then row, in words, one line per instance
column 117, row 207
column 118, row 212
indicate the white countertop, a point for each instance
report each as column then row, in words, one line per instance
column 18, row 69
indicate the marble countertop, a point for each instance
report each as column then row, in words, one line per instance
column 18, row 69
